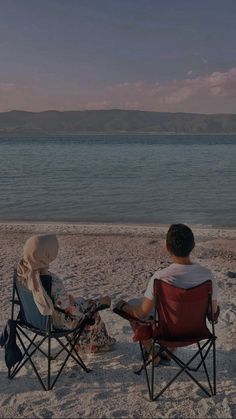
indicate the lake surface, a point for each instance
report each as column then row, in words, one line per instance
column 120, row 178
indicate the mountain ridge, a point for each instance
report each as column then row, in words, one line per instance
column 19, row 122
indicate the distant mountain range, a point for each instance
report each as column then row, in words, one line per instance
column 113, row 121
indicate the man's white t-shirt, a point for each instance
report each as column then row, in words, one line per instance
column 183, row 276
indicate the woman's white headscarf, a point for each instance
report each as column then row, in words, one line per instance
column 39, row 251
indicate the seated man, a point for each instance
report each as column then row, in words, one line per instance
column 182, row 273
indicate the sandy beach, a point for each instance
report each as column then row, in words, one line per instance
column 99, row 259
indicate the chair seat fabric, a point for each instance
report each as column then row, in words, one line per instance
column 145, row 332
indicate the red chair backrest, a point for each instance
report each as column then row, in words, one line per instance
column 182, row 312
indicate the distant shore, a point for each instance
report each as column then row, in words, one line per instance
column 74, row 134
column 53, row 122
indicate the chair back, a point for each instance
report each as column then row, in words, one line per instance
column 29, row 312
column 182, row 312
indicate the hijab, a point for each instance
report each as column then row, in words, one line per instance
column 39, row 251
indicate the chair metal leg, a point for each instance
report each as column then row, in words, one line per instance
column 205, row 368
column 29, row 356
column 145, row 369
column 183, row 368
column 49, row 363
column 214, row 367
column 210, row 343
column 31, row 340
column 81, row 363
column 69, row 354
column 152, row 376
column 168, row 384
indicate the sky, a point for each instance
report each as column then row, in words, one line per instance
column 154, row 55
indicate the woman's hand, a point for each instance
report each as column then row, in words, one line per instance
column 72, row 300
column 120, row 305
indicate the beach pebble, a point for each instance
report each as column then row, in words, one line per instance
column 231, row 274
column 229, row 316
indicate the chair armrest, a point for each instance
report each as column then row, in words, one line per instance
column 101, row 307
column 65, row 313
column 89, row 314
column 125, row 315
column 17, row 302
column 215, row 315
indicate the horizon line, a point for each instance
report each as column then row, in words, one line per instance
column 116, row 109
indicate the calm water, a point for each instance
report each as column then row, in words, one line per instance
column 134, row 178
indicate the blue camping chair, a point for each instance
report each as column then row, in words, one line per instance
column 33, row 330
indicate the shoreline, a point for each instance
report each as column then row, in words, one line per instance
column 102, row 228
column 60, row 134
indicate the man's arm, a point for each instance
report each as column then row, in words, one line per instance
column 214, row 306
column 215, row 312
column 141, row 310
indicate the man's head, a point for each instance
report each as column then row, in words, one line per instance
column 180, row 240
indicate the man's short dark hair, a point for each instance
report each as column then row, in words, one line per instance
column 180, row 240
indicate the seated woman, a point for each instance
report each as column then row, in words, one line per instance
column 51, row 297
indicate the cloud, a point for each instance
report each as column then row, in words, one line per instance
column 223, row 84
column 102, row 104
column 7, row 87
column 215, row 84
column 190, row 91
column 215, row 92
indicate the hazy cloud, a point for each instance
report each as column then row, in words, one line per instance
column 189, row 91
column 7, row 87
column 215, row 84
column 215, row 92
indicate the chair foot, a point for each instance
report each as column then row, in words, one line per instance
column 138, row 372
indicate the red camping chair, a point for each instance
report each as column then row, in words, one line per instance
column 181, row 322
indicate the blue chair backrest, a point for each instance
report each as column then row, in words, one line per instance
column 30, row 313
